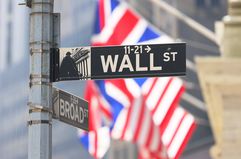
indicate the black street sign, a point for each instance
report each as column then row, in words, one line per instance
column 70, row 109
column 118, row 62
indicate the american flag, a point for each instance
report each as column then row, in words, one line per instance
column 143, row 110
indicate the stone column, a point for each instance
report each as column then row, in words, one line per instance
column 220, row 79
column 230, row 41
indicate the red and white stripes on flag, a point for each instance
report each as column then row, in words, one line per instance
column 174, row 137
column 177, row 132
column 143, row 124
column 149, row 115
column 175, row 124
column 134, row 122
column 161, row 97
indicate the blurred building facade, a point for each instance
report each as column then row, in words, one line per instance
column 76, row 27
column 13, row 80
column 13, row 29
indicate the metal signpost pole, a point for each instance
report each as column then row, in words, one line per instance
column 40, row 95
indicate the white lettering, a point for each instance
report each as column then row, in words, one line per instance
column 152, row 67
column 74, row 100
column 62, row 110
column 81, row 115
column 166, row 56
column 66, row 109
column 174, row 56
column 126, row 63
column 76, row 114
column 72, row 112
column 86, row 113
column 109, row 63
column 138, row 67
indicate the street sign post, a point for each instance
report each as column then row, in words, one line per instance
column 70, row 109
column 118, row 62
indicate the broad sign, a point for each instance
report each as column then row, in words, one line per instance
column 70, row 109
column 118, row 61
